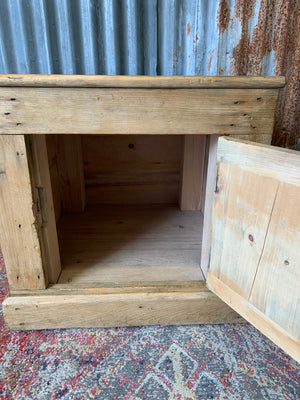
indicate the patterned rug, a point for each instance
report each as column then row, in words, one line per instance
column 232, row 361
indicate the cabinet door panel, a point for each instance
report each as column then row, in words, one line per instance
column 254, row 264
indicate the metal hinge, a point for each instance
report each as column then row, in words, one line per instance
column 217, row 180
column 39, row 206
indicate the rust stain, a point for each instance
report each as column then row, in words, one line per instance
column 262, row 38
column 188, row 29
column 243, row 10
column 277, row 30
column 223, row 16
column 210, row 60
column 196, row 38
column 287, row 118
column 282, row 28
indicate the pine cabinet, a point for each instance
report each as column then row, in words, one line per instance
column 136, row 200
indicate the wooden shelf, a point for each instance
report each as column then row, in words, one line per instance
column 130, row 243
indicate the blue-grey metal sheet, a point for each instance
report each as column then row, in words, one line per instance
column 157, row 37
column 132, row 37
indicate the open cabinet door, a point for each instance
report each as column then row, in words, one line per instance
column 255, row 248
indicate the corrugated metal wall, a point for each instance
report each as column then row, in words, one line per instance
column 158, row 37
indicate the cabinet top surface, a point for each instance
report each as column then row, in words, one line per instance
column 122, row 81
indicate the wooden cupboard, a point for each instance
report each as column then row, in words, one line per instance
column 121, row 205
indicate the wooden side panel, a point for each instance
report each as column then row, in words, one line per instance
column 208, row 188
column 132, row 169
column 131, row 307
column 71, row 174
column 137, row 111
column 256, row 238
column 192, row 172
column 19, row 239
column 46, row 223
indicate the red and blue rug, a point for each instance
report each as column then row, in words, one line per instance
column 232, row 361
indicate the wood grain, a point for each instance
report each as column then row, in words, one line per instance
column 192, row 172
column 132, row 169
column 241, row 213
column 109, row 244
column 276, row 288
column 274, row 162
column 108, row 310
column 256, row 236
column 40, row 176
column 19, row 238
column 208, row 188
column 241, row 82
column 248, row 311
column 136, row 111
column 51, row 141
column 71, row 173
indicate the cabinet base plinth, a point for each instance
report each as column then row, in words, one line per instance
column 98, row 308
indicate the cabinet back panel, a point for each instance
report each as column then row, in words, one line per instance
column 132, row 168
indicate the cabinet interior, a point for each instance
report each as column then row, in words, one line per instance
column 128, row 208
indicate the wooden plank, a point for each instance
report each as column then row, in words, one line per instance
column 19, row 238
column 130, row 244
column 276, row 288
column 281, row 164
column 71, row 174
column 241, row 82
column 136, row 111
column 192, row 172
column 115, row 288
column 248, row 311
column 132, row 168
column 256, row 238
column 264, row 139
column 241, row 215
column 164, row 192
column 209, row 185
column 47, row 224
column 108, row 310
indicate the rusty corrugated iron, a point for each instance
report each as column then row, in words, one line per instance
column 158, row 37
column 287, row 121
column 276, row 34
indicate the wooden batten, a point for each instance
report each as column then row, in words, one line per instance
column 70, row 172
column 192, row 172
column 257, row 318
